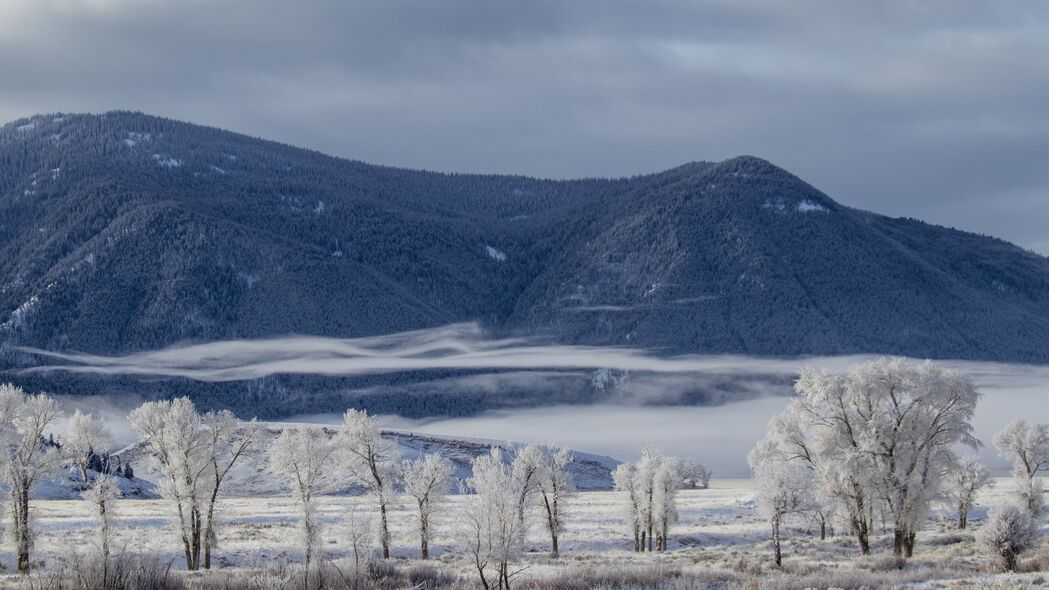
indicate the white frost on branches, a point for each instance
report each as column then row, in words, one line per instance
column 1026, row 446
column 427, row 481
column 370, row 459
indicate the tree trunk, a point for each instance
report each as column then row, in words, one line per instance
column 209, row 532
column 643, row 541
column 424, row 548
column 823, row 529
column 963, row 515
column 551, row 523
column 898, row 537
column 908, row 545
column 384, row 529
column 863, row 536
column 22, row 529
column 775, row 541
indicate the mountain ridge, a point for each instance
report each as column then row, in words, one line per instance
column 124, row 232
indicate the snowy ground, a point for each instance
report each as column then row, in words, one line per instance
column 719, row 535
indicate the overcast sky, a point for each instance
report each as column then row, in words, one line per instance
column 926, row 109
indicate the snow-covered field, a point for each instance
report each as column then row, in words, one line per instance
column 720, row 539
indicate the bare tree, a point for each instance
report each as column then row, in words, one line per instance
column 695, row 474
column 427, row 480
column 555, row 485
column 369, row 458
column 526, row 467
column 102, row 497
column 624, row 477
column 25, row 458
column 85, row 436
column 963, row 483
column 227, row 441
column 666, row 483
column 303, row 457
column 881, row 434
column 490, row 519
column 172, row 432
column 194, row 452
column 359, row 535
column 1027, row 447
column 782, row 487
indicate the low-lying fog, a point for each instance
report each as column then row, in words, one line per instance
column 720, row 435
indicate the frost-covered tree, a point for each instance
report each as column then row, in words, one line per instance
column 556, row 484
column 359, row 534
column 102, row 498
column 303, row 457
column 782, row 487
column 171, row 431
column 1026, row 446
column 963, row 483
column 666, row 483
column 1009, row 531
column 427, row 481
column 228, row 440
column 880, row 435
column 194, row 453
column 370, row 459
column 527, row 467
column 24, row 457
column 651, row 458
column 651, row 487
column 624, row 476
column 490, row 519
column 85, row 436
column 695, row 474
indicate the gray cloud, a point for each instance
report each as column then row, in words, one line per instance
column 934, row 109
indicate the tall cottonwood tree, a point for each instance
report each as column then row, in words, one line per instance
column 303, row 457
column 370, row 459
column 556, row 485
column 24, row 457
column 1026, row 446
column 194, row 453
column 427, row 480
column 881, row 434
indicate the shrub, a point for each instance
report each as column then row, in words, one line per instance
column 1009, row 531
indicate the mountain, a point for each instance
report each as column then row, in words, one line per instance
column 123, row 232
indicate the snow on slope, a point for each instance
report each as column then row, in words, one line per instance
column 67, row 485
column 250, row 478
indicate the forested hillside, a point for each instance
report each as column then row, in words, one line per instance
column 123, row 232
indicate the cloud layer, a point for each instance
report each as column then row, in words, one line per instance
column 933, row 109
column 457, row 346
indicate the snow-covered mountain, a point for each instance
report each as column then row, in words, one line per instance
column 124, row 232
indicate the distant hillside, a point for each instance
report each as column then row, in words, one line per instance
column 250, row 477
column 123, row 232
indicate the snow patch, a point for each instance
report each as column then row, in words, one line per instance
column 135, row 137
column 319, row 208
column 777, row 205
column 167, row 161
column 217, row 169
column 495, row 254
column 808, row 206
column 26, row 128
